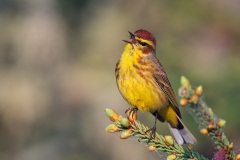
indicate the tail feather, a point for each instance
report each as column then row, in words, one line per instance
column 182, row 135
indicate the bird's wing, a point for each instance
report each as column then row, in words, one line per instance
column 164, row 84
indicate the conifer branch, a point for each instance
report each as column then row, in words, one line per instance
column 209, row 124
column 131, row 127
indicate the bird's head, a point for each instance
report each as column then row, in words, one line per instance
column 142, row 40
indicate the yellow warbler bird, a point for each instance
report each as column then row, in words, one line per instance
column 143, row 83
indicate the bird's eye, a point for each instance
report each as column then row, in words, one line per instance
column 143, row 43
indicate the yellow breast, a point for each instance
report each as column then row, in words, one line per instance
column 137, row 84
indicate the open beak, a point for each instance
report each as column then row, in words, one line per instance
column 126, row 41
column 132, row 37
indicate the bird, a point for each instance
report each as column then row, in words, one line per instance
column 143, row 83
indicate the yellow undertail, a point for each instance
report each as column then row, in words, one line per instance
column 170, row 115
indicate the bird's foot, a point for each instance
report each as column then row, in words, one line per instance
column 152, row 134
column 131, row 114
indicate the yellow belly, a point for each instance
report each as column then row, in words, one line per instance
column 144, row 95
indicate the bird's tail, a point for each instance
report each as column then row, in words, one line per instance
column 182, row 135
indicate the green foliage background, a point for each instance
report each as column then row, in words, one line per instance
column 57, row 61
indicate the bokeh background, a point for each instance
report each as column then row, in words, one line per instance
column 57, row 61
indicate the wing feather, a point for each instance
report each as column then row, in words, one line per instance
column 164, row 84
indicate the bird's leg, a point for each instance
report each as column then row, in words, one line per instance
column 153, row 129
column 131, row 114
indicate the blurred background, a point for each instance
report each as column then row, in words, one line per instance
column 57, row 61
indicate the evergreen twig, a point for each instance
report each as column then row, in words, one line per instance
column 131, row 127
column 209, row 124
